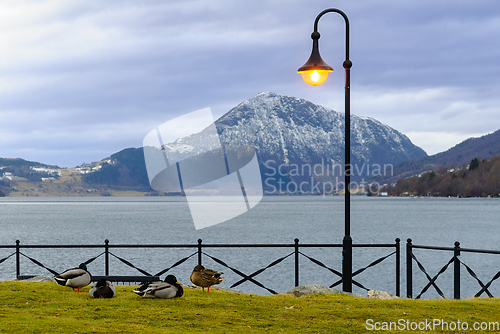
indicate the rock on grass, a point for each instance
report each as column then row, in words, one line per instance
column 311, row 289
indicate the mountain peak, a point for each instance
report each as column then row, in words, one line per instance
column 289, row 130
column 292, row 129
column 265, row 94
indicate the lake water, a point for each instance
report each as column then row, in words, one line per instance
column 166, row 220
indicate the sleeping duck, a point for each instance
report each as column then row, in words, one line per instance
column 74, row 277
column 169, row 288
column 205, row 278
column 102, row 289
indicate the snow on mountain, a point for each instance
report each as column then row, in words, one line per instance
column 293, row 131
column 296, row 129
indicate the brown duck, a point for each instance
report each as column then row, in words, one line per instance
column 205, row 278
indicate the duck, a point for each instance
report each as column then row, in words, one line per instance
column 205, row 278
column 167, row 289
column 74, row 277
column 102, row 289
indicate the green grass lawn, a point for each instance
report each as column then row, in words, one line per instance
column 33, row 307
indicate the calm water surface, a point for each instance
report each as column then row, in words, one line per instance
column 166, row 220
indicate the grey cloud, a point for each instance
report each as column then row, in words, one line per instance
column 98, row 65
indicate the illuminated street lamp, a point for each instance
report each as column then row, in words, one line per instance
column 315, row 72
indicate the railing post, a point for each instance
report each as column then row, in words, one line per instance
column 106, row 257
column 456, row 270
column 296, row 262
column 409, row 278
column 199, row 251
column 398, row 267
column 18, row 264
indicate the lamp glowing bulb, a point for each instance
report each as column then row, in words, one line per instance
column 315, row 77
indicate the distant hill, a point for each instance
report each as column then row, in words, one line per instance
column 283, row 130
column 291, row 130
column 125, row 169
column 35, row 174
column 124, row 173
column 293, row 136
column 23, row 163
column 30, row 171
column 482, row 148
column 479, row 178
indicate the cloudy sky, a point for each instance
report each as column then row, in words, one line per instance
column 82, row 79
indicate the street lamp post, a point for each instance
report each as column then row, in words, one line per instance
column 314, row 72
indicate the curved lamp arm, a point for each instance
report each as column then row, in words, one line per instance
column 335, row 10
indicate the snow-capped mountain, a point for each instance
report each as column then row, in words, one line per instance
column 288, row 132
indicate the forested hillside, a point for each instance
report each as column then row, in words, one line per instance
column 483, row 148
column 22, row 163
column 124, row 169
column 479, row 178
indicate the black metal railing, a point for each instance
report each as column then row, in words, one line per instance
column 298, row 250
column 456, row 260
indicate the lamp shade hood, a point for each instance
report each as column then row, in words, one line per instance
column 315, row 70
column 315, row 62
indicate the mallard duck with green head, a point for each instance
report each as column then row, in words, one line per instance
column 167, row 289
column 102, row 289
column 205, row 277
column 74, row 277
